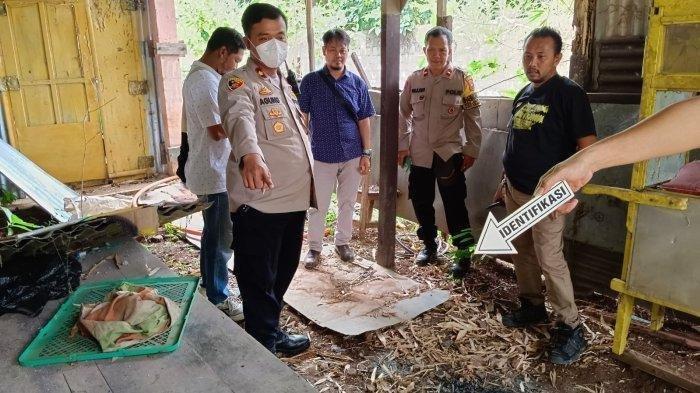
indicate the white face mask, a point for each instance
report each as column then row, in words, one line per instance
column 272, row 53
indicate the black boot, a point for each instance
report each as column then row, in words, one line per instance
column 461, row 267
column 426, row 255
column 567, row 344
column 528, row 314
column 291, row 344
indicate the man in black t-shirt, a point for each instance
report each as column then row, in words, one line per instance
column 551, row 120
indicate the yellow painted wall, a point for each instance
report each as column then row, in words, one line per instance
column 74, row 60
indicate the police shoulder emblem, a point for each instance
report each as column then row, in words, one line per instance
column 234, row 83
column 469, row 94
column 468, row 85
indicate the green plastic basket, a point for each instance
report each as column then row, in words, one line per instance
column 54, row 345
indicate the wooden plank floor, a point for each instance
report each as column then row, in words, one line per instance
column 216, row 355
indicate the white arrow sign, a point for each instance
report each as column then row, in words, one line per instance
column 496, row 238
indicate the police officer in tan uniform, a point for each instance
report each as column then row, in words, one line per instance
column 436, row 103
column 269, row 177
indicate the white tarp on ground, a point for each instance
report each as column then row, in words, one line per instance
column 353, row 298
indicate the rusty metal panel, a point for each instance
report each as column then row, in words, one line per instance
column 591, row 267
column 665, row 254
column 599, row 221
column 617, row 65
column 137, row 88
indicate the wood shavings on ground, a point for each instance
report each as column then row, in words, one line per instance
column 461, row 345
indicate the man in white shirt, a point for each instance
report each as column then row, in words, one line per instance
column 205, row 168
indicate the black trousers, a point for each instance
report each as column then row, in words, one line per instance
column 267, row 248
column 453, row 190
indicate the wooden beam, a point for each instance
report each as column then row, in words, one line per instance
column 659, row 370
column 389, row 138
column 443, row 19
column 360, row 68
column 310, row 33
column 582, row 46
column 392, row 7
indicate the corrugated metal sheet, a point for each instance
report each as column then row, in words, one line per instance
column 617, row 66
column 621, row 18
column 591, row 267
column 45, row 190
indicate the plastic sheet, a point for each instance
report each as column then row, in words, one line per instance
column 27, row 284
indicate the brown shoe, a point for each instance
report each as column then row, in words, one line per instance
column 312, row 259
column 345, row 253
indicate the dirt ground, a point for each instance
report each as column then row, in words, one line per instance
column 461, row 346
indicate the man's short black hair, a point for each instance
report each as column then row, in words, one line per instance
column 336, row 35
column 543, row 32
column 225, row 36
column 256, row 12
column 438, row 31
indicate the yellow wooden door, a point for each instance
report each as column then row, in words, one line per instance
column 122, row 86
column 49, row 78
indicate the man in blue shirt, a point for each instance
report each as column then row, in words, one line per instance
column 338, row 108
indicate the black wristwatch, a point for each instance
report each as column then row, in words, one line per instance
column 367, row 153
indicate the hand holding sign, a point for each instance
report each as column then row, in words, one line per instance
column 496, row 238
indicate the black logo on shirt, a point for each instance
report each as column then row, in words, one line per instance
column 418, row 90
column 453, row 92
column 269, row 100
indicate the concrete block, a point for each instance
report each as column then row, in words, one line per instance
column 489, row 112
column 505, row 107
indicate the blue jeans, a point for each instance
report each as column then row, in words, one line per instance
column 216, row 248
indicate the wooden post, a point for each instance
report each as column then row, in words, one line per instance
column 582, row 46
column 388, row 141
column 310, row 33
column 360, row 68
column 443, row 19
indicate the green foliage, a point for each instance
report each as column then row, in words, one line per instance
column 417, row 12
column 331, row 218
column 14, row 223
column 524, row 9
column 460, row 240
column 360, row 15
column 200, row 17
column 332, row 214
column 172, row 232
column 7, row 197
column 365, row 15
column 462, row 255
column 510, row 93
column 483, row 68
column 488, row 33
